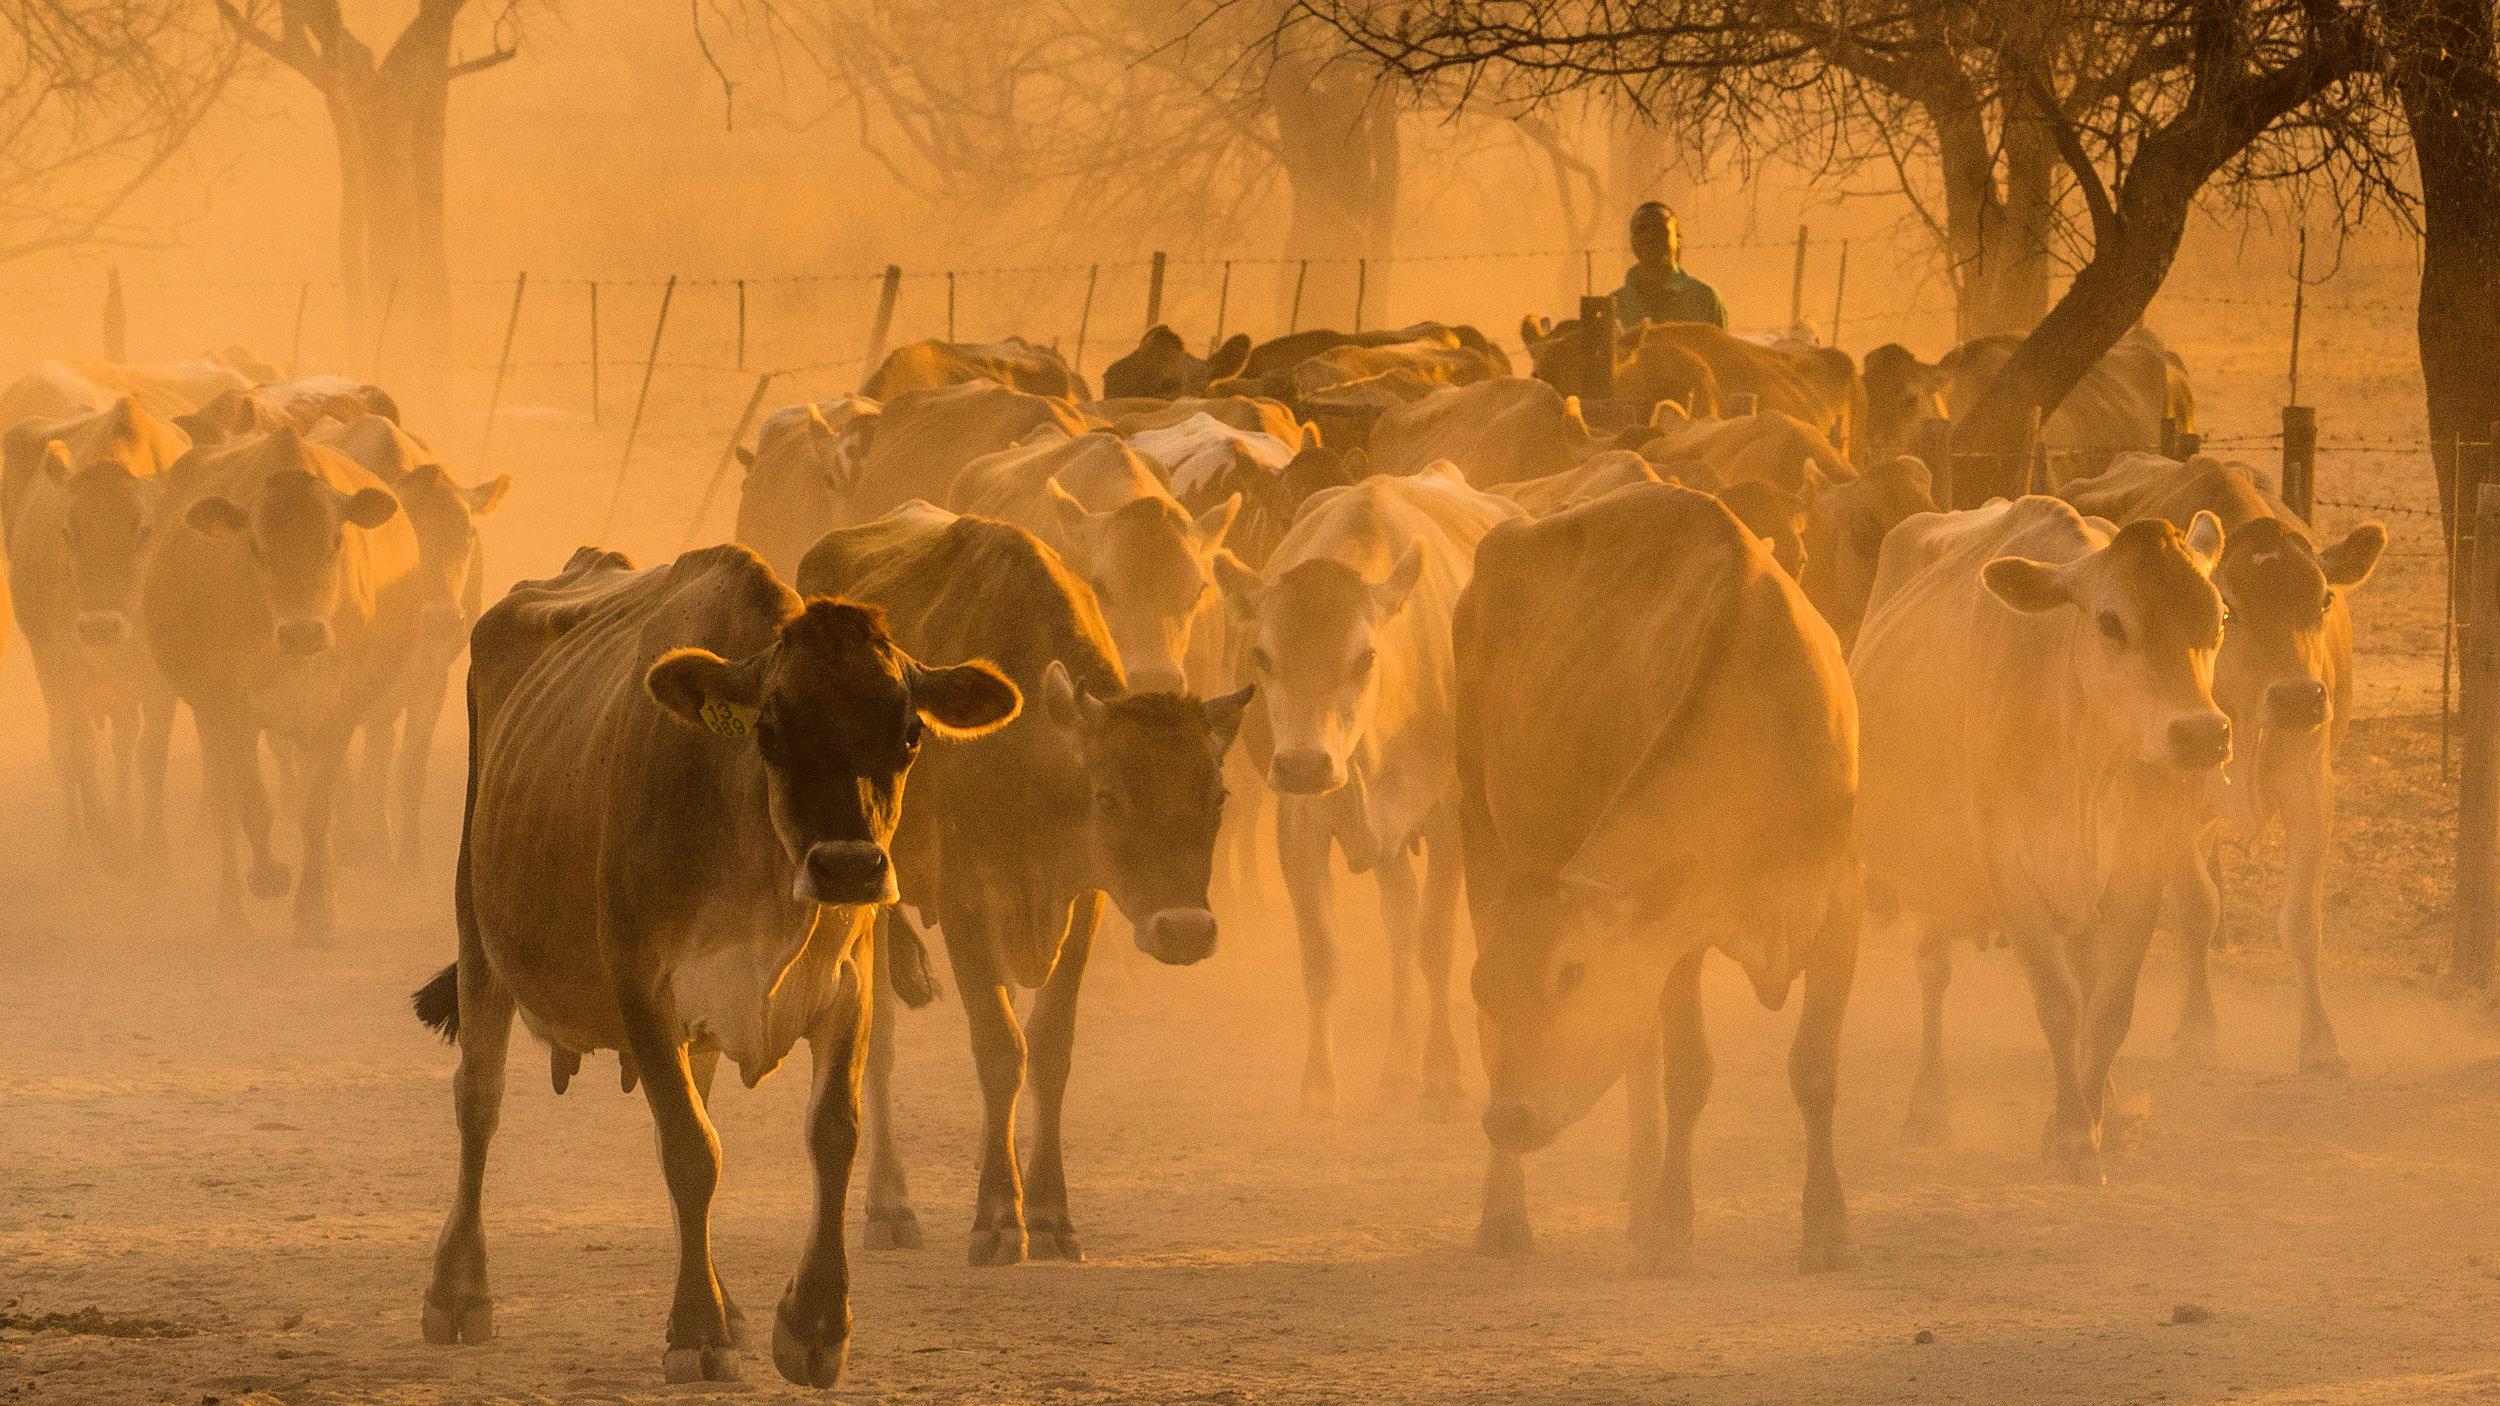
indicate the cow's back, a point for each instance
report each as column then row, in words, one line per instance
column 925, row 438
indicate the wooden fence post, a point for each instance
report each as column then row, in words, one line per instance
column 382, row 329
column 116, row 316
column 295, row 347
column 1154, row 291
column 594, row 351
column 1797, row 283
column 2478, row 782
column 742, row 324
column 1223, row 304
column 1293, row 320
column 1085, row 316
column 884, row 323
column 1935, row 450
column 2300, row 295
column 950, row 305
column 503, row 364
column 1362, row 287
column 1840, row 291
column 1597, row 348
column 1588, row 273
column 728, row 456
column 2300, row 460
column 650, row 366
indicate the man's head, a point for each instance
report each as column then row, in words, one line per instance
column 1656, row 239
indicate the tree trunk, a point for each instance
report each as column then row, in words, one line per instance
column 2449, row 82
column 1337, row 137
column 1996, row 229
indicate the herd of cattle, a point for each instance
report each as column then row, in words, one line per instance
column 1722, row 679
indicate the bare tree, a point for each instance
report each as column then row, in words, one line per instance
column 95, row 97
column 388, row 115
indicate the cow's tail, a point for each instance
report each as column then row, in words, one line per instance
column 438, row 1003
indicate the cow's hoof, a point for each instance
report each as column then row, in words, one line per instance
column 2074, row 1154
column 1928, row 1125
column 1052, row 1242
column 468, row 1321
column 700, row 1364
column 891, row 1230
column 1825, row 1256
column 271, row 879
column 999, row 1245
column 1504, row 1235
column 810, row 1354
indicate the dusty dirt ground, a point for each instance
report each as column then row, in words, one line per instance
column 223, row 1160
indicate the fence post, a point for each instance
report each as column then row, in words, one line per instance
column 1154, row 291
column 1797, row 283
column 2300, row 460
column 382, row 329
column 1362, row 287
column 1293, row 319
column 728, row 456
column 1085, row 316
column 1840, row 290
column 950, row 305
column 884, row 323
column 2478, row 782
column 295, row 348
column 1223, row 304
column 2300, row 294
column 116, row 316
column 1597, row 348
column 594, row 351
column 2170, row 437
column 1935, row 449
column 742, row 324
column 650, row 365
column 2024, row 457
column 1588, row 273
column 503, row 363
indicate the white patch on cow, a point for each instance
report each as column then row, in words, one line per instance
column 1200, row 448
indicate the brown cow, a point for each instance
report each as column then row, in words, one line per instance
column 2041, row 734
column 452, row 565
column 798, row 478
column 1640, row 784
column 1012, row 361
column 1162, row 368
column 2118, row 406
column 915, row 445
column 1598, row 475
column 1105, row 508
column 682, row 783
column 2284, row 676
column 288, row 603
column 1011, row 843
column 1704, row 369
column 80, row 499
column 1499, row 431
column 1844, row 537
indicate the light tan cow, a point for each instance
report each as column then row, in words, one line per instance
column 58, row 389
column 1657, row 752
column 2284, row 675
column 916, row 444
column 798, row 478
column 682, row 783
column 1705, row 370
column 451, row 562
column 1105, row 508
column 1351, row 655
column 288, row 603
column 80, row 499
column 1498, row 432
column 1011, row 361
column 1844, row 536
column 2040, row 740
column 1598, row 475
column 2118, row 406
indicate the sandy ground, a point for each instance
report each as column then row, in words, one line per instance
column 225, row 1159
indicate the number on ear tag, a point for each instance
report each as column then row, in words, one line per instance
column 728, row 719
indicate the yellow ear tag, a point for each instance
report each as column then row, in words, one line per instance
column 728, row 719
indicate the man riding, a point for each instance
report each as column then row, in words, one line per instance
column 1657, row 289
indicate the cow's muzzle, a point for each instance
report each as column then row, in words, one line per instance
column 846, row 872
column 1516, row 1127
column 302, row 639
column 2200, row 741
column 1178, row 936
column 102, row 629
column 1304, row 771
column 2296, row 705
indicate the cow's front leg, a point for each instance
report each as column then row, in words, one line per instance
column 1667, row 1246
column 1502, row 1227
column 156, row 738
column 891, row 1224
column 324, row 758
column 1930, row 1120
column 1302, row 851
column 698, row 1319
column 2308, row 822
column 2119, row 941
column 2196, row 901
column 416, row 750
column 1814, row 1080
column 366, row 824
column 1436, row 946
column 1644, row 1149
column 1050, row 1040
column 1395, row 873
column 2071, row 1140
column 812, row 1328
column 998, row 1058
column 458, row 1310
column 239, row 799
column 126, row 823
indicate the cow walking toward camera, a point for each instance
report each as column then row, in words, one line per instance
column 682, row 783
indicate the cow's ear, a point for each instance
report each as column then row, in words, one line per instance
column 1230, row 359
column 487, row 496
column 1068, row 704
column 1390, row 595
column 2204, row 540
column 966, row 700
column 215, row 516
column 1240, row 585
column 1528, row 333
column 1910, row 471
column 2026, row 585
column 56, row 461
column 1072, row 514
column 1216, row 521
column 369, row 508
column 1224, row 716
column 746, row 457
column 2349, row 563
column 702, row 690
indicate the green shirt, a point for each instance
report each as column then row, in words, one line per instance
column 1674, row 296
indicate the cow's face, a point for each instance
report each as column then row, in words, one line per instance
column 1161, row 368
column 444, row 516
column 2286, row 603
column 1152, row 567
column 1844, row 537
column 836, row 711
column 1315, row 659
column 1153, row 763
column 1901, row 393
column 1565, row 997
column 109, row 514
column 295, row 527
column 2154, row 626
